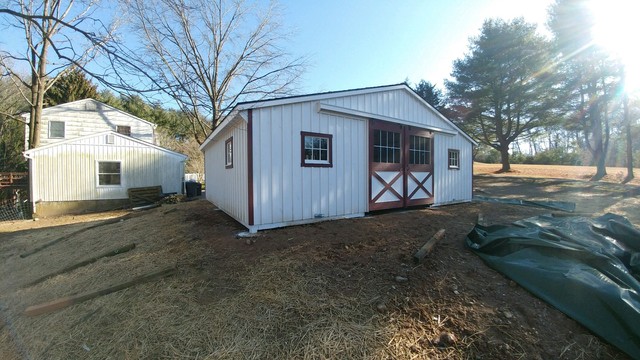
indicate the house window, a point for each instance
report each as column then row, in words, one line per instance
column 228, row 153
column 419, row 150
column 386, row 147
column 316, row 149
column 109, row 173
column 124, row 130
column 56, row 129
column 454, row 159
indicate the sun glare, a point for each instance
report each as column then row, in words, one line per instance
column 616, row 29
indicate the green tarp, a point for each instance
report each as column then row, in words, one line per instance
column 587, row 268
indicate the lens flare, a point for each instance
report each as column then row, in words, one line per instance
column 616, row 30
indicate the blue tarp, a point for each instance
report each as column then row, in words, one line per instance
column 587, row 268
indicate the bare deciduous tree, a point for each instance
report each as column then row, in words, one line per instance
column 58, row 34
column 207, row 55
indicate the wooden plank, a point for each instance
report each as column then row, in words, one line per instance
column 144, row 195
column 86, row 262
column 65, row 237
column 428, row 246
column 64, row 302
column 14, row 180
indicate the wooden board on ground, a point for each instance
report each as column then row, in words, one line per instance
column 64, row 302
column 428, row 246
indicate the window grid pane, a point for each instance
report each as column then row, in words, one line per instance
column 316, row 148
column 419, row 150
column 454, row 159
column 386, row 147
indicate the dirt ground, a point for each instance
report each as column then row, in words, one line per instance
column 337, row 289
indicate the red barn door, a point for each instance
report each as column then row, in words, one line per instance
column 401, row 166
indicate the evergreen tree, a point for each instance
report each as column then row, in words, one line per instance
column 70, row 87
column 502, row 89
column 589, row 77
column 431, row 94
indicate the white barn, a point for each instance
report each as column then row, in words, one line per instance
column 308, row 158
column 91, row 154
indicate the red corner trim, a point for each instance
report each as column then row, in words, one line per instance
column 250, row 164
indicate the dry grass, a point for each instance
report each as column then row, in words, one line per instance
column 310, row 292
column 277, row 307
column 614, row 174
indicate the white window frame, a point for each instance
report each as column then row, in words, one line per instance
column 98, row 174
column 64, row 129
column 453, row 159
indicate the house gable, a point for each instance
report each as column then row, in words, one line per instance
column 88, row 116
column 395, row 103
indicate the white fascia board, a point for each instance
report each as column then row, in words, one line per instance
column 318, row 97
column 29, row 153
column 326, row 108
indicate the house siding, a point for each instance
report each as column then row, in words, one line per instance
column 86, row 117
column 68, row 172
column 452, row 185
column 227, row 187
column 286, row 192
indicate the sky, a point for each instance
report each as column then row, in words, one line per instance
column 361, row 43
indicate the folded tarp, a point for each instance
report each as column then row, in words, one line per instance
column 587, row 268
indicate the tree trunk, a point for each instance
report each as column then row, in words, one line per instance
column 504, row 159
column 627, row 120
column 598, row 147
column 39, row 81
column 601, row 169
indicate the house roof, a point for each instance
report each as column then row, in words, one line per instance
column 65, row 106
column 322, row 96
column 30, row 152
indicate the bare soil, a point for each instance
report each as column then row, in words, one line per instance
column 337, row 289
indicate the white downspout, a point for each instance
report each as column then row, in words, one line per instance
column 32, row 171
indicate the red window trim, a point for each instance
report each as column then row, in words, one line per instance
column 228, row 166
column 449, row 151
column 303, row 163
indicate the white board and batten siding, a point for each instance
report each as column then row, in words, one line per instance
column 278, row 191
column 227, row 187
column 452, row 185
column 404, row 107
column 67, row 171
column 287, row 193
column 88, row 116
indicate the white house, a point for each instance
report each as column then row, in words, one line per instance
column 86, row 117
column 91, row 154
column 331, row 155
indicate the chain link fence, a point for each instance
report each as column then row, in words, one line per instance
column 16, row 207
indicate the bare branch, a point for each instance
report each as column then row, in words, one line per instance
column 208, row 55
